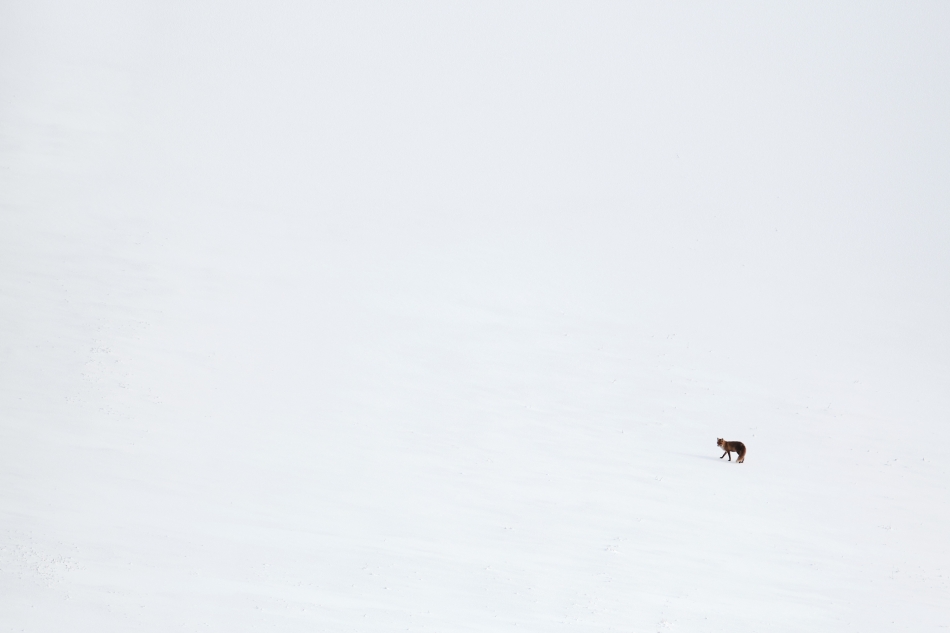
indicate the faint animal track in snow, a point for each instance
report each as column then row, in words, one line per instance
column 27, row 562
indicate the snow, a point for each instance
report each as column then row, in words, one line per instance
column 367, row 318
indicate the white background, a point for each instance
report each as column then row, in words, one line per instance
column 368, row 317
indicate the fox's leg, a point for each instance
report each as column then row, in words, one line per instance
column 730, row 456
column 724, row 454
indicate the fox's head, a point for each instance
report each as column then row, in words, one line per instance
column 720, row 442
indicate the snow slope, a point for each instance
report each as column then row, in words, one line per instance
column 359, row 318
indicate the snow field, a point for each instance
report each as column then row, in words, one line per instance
column 367, row 320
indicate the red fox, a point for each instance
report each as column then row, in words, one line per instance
column 729, row 447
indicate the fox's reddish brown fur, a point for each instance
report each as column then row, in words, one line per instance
column 731, row 447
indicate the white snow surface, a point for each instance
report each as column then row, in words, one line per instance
column 427, row 316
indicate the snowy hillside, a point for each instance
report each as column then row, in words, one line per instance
column 358, row 318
